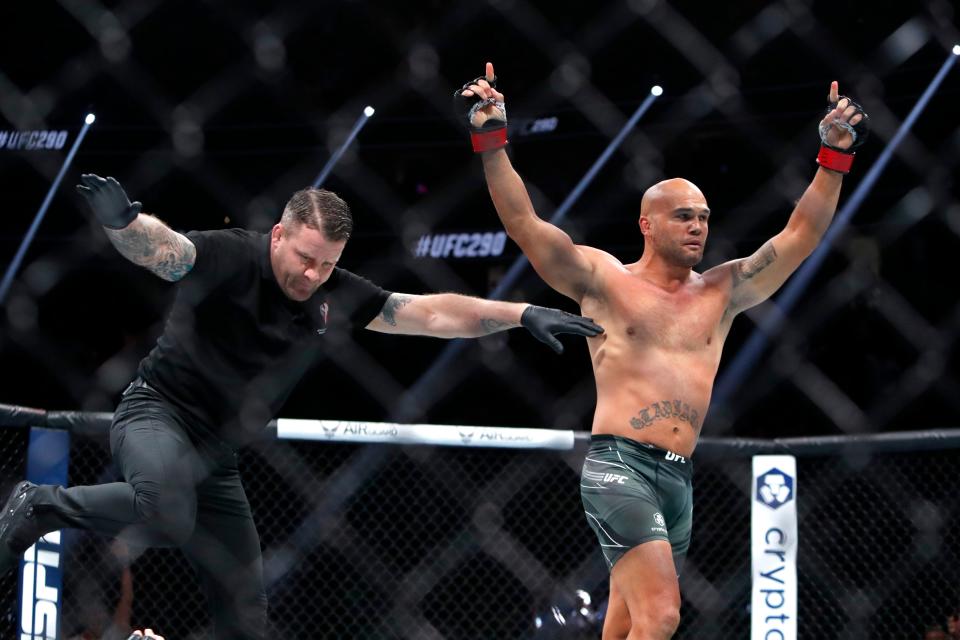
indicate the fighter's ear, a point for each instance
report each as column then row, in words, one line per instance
column 644, row 224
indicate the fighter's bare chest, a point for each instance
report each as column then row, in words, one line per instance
column 686, row 319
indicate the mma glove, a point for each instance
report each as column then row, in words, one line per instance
column 835, row 158
column 492, row 134
column 546, row 323
column 108, row 201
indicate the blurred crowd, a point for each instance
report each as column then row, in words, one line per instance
column 947, row 630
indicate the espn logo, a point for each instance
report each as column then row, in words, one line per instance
column 39, row 589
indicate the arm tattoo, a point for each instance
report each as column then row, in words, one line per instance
column 490, row 325
column 393, row 304
column 676, row 409
column 756, row 263
column 176, row 259
column 152, row 244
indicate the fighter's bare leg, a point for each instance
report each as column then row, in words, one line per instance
column 646, row 580
column 616, row 624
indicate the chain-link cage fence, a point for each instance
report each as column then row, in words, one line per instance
column 210, row 141
column 213, row 113
column 13, row 452
column 463, row 544
column 878, row 554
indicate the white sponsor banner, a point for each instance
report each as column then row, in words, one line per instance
column 774, row 548
column 435, row 434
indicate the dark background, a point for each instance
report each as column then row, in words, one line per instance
column 213, row 113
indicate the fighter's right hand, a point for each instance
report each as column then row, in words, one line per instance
column 480, row 107
column 108, row 201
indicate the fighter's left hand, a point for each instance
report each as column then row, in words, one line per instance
column 837, row 127
column 484, row 88
column 545, row 324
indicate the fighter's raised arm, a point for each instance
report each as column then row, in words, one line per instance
column 656, row 363
column 564, row 265
column 140, row 238
column 756, row 278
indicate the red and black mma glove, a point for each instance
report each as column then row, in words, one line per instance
column 834, row 158
column 492, row 134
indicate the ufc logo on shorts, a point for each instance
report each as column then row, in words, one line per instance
column 671, row 456
column 612, row 477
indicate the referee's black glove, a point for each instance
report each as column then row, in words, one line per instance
column 546, row 323
column 108, row 201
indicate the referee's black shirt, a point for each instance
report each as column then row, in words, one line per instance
column 234, row 345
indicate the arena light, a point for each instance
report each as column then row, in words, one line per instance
column 956, row 49
column 14, row 267
column 656, row 90
column 357, row 126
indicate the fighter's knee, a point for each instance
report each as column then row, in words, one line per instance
column 670, row 620
column 662, row 622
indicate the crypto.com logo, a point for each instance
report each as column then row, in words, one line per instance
column 774, row 488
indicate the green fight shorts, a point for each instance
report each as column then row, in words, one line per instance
column 633, row 492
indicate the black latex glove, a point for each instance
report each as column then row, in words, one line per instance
column 108, row 201
column 546, row 323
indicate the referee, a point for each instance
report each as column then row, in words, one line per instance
column 249, row 320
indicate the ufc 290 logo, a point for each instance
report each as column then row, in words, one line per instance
column 32, row 140
column 461, row 245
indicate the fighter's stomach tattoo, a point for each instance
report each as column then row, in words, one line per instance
column 673, row 409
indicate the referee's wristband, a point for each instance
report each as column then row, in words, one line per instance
column 835, row 160
column 488, row 140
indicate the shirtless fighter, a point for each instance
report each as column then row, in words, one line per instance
column 657, row 360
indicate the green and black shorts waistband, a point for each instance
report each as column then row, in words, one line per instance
column 641, row 452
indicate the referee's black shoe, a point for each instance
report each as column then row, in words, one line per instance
column 18, row 525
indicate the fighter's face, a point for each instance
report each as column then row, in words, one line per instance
column 678, row 229
column 302, row 259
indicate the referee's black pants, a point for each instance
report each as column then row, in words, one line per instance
column 174, row 495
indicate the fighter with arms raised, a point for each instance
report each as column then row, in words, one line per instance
column 656, row 362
